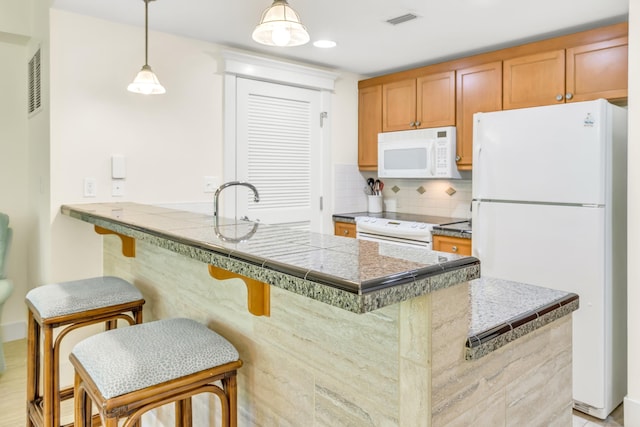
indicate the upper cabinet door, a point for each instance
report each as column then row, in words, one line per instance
column 598, row 70
column 478, row 89
column 369, row 125
column 533, row 80
column 399, row 105
column 436, row 100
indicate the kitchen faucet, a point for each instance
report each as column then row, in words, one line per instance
column 256, row 196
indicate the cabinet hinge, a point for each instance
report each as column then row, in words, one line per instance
column 323, row 116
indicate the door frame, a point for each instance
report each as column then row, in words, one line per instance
column 242, row 65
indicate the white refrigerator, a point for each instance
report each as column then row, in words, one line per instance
column 549, row 208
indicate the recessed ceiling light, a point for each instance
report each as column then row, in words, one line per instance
column 324, row 43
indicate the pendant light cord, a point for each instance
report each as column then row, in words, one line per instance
column 146, row 32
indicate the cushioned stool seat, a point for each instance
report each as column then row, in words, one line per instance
column 72, row 304
column 127, row 372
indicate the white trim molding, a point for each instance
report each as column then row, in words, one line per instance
column 631, row 412
column 13, row 331
column 276, row 71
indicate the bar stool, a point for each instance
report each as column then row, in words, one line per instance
column 72, row 304
column 127, row 372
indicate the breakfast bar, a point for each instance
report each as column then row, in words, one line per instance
column 339, row 331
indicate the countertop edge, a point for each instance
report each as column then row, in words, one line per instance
column 439, row 231
column 479, row 345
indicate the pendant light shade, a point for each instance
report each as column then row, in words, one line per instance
column 146, row 81
column 280, row 26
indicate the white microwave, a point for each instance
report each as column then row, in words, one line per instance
column 419, row 153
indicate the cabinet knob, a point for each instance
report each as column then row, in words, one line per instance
column 346, row 232
column 458, row 158
column 412, row 124
column 418, row 123
column 559, row 97
column 569, row 95
column 454, row 248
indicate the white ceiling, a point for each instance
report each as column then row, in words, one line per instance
column 367, row 45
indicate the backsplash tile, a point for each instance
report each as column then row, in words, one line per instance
column 441, row 197
column 349, row 189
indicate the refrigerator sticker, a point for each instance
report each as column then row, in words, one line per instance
column 588, row 121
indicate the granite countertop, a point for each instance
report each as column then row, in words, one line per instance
column 356, row 275
column 502, row 311
column 454, row 229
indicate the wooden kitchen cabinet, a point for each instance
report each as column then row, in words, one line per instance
column 436, row 100
column 424, row 102
column 345, row 229
column 399, row 105
column 478, row 89
column 534, row 80
column 369, row 125
column 598, row 70
column 582, row 73
column 582, row 66
column 454, row 245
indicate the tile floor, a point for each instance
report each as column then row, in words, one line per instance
column 616, row 419
column 13, row 390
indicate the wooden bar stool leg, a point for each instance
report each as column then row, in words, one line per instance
column 81, row 404
column 48, row 383
column 33, row 362
column 184, row 415
column 230, row 387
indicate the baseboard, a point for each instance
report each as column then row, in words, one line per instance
column 13, row 331
column 631, row 412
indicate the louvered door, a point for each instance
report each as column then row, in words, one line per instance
column 278, row 143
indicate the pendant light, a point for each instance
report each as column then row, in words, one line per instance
column 146, row 81
column 280, row 26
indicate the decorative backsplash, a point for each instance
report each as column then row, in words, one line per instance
column 441, row 197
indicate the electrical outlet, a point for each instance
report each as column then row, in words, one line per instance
column 211, row 184
column 89, row 187
column 117, row 187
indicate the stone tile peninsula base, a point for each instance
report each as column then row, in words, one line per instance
column 313, row 364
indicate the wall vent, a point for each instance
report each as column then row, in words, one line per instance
column 401, row 19
column 35, row 99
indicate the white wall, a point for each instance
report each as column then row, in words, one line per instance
column 15, row 19
column 14, row 178
column 632, row 401
column 170, row 142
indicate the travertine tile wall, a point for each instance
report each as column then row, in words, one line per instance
column 525, row 383
column 435, row 198
column 311, row 364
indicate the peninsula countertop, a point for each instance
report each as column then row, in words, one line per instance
column 355, row 275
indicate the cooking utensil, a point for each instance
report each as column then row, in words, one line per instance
column 372, row 185
column 377, row 187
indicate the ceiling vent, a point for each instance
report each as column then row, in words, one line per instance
column 401, row 19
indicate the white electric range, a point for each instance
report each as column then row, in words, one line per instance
column 400, row 229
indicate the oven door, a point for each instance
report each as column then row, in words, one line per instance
column 393, row 240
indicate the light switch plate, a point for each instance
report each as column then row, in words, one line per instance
column 118, row 167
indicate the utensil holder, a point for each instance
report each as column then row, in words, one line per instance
column 375, row 204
